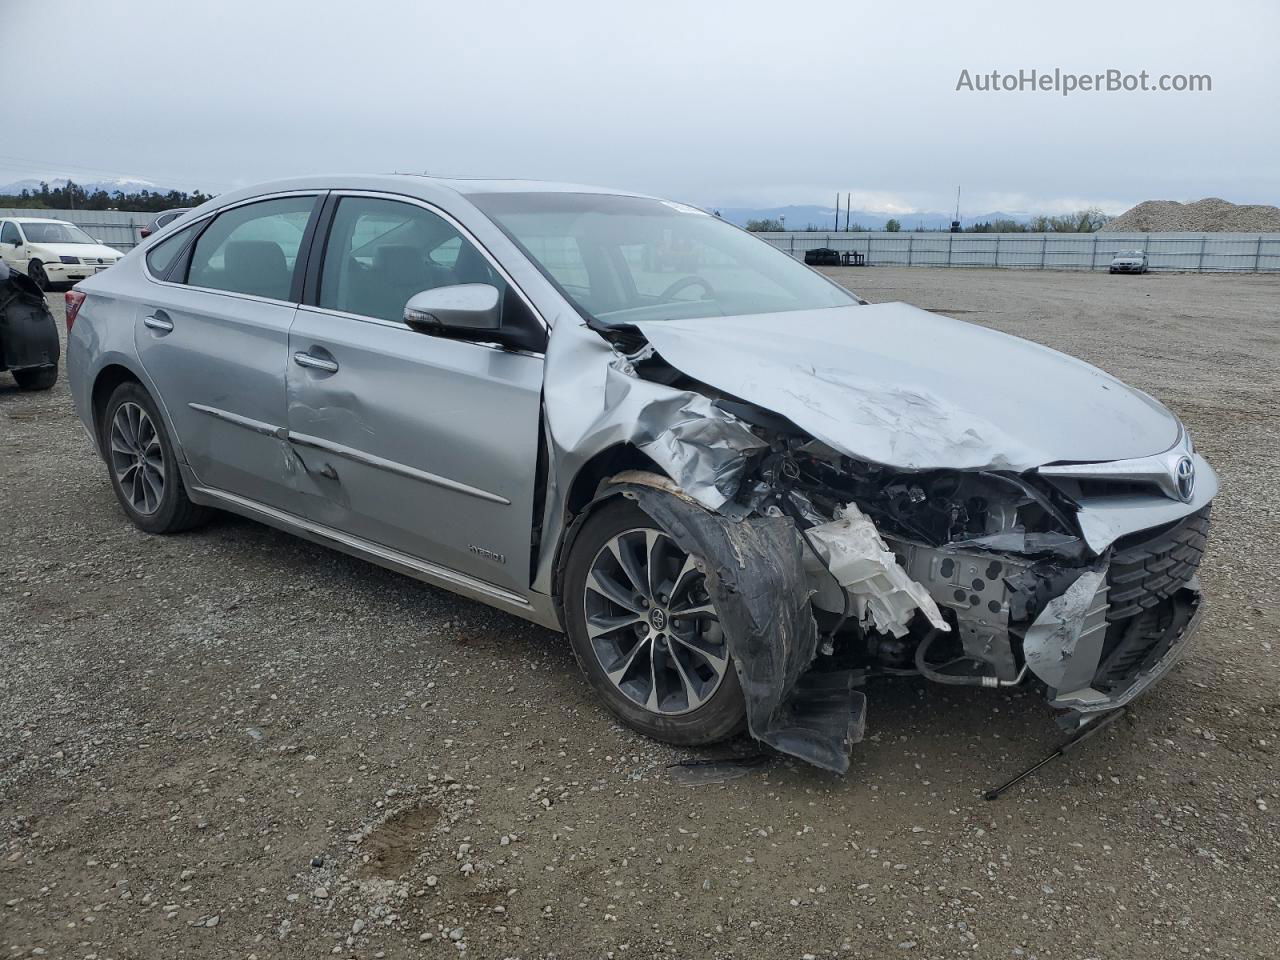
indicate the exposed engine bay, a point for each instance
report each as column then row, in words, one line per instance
column 988, row 576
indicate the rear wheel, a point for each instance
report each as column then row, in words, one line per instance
column 646, row 633
column 144, row 470
column 36, row 378
column 35, row 271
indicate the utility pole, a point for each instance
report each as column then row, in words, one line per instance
column 837, row 211
column 848, row 202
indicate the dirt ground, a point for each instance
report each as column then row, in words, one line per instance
column 232, row 743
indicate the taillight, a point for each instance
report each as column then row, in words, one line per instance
column 74, row 300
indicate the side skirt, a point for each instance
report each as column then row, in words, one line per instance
column 535, row 608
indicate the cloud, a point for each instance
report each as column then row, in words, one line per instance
column 720, row 102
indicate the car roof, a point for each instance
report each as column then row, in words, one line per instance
column 39, row 220
column 466, row 185
column 412, row 184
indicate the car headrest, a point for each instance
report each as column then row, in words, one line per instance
column 399, row 260
column 258, row 267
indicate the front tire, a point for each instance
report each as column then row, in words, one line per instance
column 36, row 378
column 37, row 275
column 143, row 468
column 645, row 632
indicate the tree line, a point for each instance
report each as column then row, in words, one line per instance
column 75, row 197
column 1090, row 220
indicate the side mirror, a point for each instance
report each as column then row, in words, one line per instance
column 468, row 311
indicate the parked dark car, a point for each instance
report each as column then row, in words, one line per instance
column 162, row 220
column 822, row 257
column 28, row 333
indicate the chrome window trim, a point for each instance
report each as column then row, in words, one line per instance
column 317, row 193
column 453, row 222
column 144, row 252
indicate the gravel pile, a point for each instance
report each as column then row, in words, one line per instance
column 1210, row 215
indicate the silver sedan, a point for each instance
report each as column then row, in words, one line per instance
column 737, row 487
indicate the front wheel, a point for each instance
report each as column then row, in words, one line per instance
column 36, row 378
column 144, row 470
column 35, row 272
column 646, row 633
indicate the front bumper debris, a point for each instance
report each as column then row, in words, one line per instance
column 1140, row 658
column 756, row 578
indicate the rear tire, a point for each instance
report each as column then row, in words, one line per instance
column 665, row 671
column 36, row 378
column 142, row 465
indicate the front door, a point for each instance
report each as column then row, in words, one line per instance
column 215, row 340
column 11, row 246
column 421, row 444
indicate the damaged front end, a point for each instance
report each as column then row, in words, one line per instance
column 827, row 567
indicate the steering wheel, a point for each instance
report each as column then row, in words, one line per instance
column 682, row 283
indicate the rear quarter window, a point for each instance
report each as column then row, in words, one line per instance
column 163, row 255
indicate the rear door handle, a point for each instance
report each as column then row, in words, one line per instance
column 160, row 323
column 315, row 363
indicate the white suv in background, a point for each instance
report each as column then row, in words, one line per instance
column 52, row 251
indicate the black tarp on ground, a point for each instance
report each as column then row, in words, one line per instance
column 28, row 332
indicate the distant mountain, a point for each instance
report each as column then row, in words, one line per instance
column 120, row 184
column 802, row 217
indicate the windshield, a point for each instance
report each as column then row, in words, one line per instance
column 53, row 232
column 1129, row 253
column 623, row 259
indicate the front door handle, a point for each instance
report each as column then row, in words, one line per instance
column 156, row 322
column 315, row 363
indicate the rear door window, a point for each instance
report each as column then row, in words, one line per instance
column 252, row 249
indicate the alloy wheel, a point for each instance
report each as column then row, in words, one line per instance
column 137, row 458
column 652, row 625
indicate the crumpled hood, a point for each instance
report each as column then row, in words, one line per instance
column 897, row 385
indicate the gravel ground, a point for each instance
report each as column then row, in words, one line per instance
column 232, row 743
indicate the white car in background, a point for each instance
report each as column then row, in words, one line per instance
column 52, row 251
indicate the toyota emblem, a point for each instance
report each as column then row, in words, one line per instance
column 1184, row 475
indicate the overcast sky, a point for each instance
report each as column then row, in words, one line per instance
column 723, row 104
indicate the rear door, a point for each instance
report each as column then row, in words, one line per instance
column 213, row 334
column 425, row 445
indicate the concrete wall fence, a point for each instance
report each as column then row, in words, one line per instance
column 1207, row 252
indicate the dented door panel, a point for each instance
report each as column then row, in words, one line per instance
column 418, row 443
